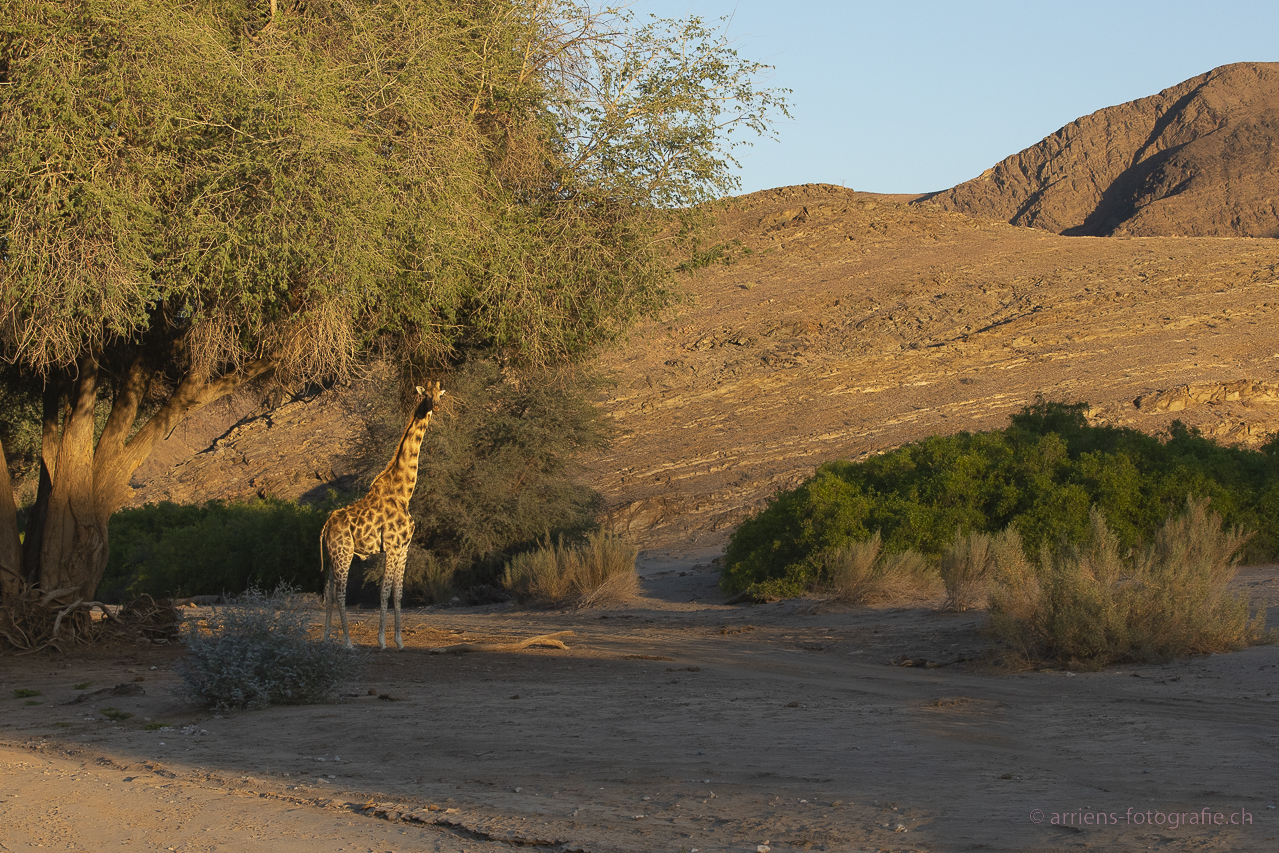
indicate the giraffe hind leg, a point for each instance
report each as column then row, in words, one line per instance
column 341, row 567
column 329, row 583
column 386, row 592
column 328, row 604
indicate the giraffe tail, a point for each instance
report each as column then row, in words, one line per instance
column 328, row 582
column 323, row 530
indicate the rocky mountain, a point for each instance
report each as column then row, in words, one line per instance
column 1199, row 159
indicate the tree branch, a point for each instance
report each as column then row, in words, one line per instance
column 191, row 396
column 124, row 408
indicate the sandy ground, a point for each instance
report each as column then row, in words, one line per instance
column 671, row 723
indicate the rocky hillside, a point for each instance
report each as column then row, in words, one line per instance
column 848, row 324
column 845, row 324
column 1198, row 159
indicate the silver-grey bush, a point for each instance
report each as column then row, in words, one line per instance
column 257, row 652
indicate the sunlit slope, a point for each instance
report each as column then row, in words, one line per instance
column 848, row 323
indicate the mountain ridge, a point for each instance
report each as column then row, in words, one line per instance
column 1198, row 159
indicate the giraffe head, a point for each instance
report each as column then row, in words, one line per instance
column 428, row 398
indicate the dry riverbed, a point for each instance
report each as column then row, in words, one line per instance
column 672, row 723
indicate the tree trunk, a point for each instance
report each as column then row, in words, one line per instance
column 66, row 545
column 73, row 555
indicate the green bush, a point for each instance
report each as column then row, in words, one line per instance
column 258, row 652
column 1096, row 603
column 167, row 550
column 598, row 571
column 1041, row 475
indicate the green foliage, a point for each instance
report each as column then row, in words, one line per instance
column 166, row 550
column 258, row 652
column 1041, row 475
column 599, row 570
column 1095, row 603
column 25, row 693
column 115, row 715
column 497, row 471
column 647, row 111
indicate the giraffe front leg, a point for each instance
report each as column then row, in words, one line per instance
column 395, row 568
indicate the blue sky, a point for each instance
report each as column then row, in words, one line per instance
column 902, row 96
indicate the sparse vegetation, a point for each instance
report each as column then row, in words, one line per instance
column 1040, row 475
column 25, row 693
column 259, row 652
column 599, row 570
column 1097, row 602
column 115, row 715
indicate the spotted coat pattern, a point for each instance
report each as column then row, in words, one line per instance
column 379, row 522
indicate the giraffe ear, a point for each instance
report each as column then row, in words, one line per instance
column 420, row 390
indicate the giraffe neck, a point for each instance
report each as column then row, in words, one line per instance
column 399, row 478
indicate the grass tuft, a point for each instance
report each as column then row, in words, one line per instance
column 25, row 693
column 861, row 573
column 972, row 562
column 599, row 571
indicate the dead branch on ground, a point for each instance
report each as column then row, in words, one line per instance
column 542, row 640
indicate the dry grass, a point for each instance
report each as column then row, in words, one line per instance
column 1091, row 605
column 860, row 573
column 599, row 571
column 971, row 562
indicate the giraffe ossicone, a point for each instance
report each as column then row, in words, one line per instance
column 378, row 522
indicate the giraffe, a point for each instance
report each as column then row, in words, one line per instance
column 379, row 521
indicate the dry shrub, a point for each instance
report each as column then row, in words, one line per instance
column 1091, row 605
column 860, row 573
column 599, row 571
column 259, row 652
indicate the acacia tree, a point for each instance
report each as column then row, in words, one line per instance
column 195, row 195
